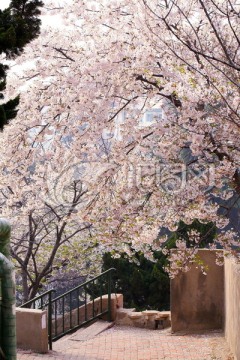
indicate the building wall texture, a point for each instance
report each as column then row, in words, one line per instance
column 197, row 300
column 232, row 305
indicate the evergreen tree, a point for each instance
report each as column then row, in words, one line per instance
column 144, row 286
column 19, row 24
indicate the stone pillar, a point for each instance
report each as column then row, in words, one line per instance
column 7, row 296
column 197, row 300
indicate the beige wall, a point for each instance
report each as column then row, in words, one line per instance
column 232, row 305
column 197, row 300
column 32, row 332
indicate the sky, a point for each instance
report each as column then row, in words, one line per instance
column 4, row 4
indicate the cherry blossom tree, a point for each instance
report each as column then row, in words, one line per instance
column 109, row 59
column 50, row 241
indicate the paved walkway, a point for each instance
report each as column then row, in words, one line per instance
column 127, row 343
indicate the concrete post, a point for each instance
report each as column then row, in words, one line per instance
column 7, row 296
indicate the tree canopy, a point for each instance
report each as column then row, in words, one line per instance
column 93, row 78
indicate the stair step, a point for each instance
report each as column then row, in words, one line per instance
column 91, row 331
column 125, row 310
column 135, row 315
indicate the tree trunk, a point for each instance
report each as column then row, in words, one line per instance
column 25, row 286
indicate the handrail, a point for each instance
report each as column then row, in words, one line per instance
column 36, row 298
column 85, row 283
column 67, row 313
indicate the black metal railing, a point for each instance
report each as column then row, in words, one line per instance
column 77, row 307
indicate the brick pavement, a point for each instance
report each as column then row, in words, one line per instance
column 127, row 343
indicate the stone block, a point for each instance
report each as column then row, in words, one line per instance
column 32, row 329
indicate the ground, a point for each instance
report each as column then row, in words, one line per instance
column 128, row 343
